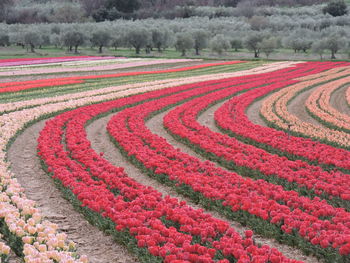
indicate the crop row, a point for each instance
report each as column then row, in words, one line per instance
column 274, row 110
column 169, row 229
column 318, row 105
column 237, row 124
column 16, row 209
column 249, row 160
column 94, row 84
column 25, row 85
column 249, row 201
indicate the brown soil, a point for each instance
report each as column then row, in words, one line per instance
column 253, row 113
column 297, row 107
column 39, row 187
column 338, row 100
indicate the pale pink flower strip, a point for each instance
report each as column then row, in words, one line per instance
column 279, row 101
column 92, row 68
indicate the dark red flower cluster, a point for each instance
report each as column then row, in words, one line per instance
column 166, row 227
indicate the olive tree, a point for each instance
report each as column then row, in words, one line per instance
column 32, row 39
column 336, row 8
column 219, row 43
column 318, row 47
column 236, row 43
column 200, row 38
column 252, row 43
column 334, row 43
column 268, row 45
column 4, row 40
column 73, row 39
column 160, row 38
column 138, row 37
column 184, row 42
column 100, row 39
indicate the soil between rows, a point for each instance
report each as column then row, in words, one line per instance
column 338, row 100
column 100, row 142
column 39, row 187
column 156, row 126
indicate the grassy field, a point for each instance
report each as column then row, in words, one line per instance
column 279, row 54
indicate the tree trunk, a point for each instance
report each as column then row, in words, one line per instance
column 256, row 54
column 183, row 53
column 32, row 48
column 159, row 49
column 100, row 49
column 197, row 51
column 76, row 50
column 333, row 55
column 137, row 50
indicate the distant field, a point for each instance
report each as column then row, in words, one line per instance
column 278, row 54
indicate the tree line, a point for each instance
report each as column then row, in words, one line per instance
column 156, row 35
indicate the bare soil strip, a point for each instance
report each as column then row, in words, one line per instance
column 39, row 187
column 253, row 113
column 297, row 107
column 338, row 100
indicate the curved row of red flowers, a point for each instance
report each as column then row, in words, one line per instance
column 31, row 84
column 303, row 220
column 232, row 119
column 249, row 160
column 169, row 229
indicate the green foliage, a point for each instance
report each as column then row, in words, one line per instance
column 73, row 39
column 4, row 40
column 32, row 39
column 319, row 47
column 200, row 40
column 138, row 37
column 334, row 43
column 219, row 44
column 160, row 38
column 184, row 41
column 268, row 45
column 236, row 43
column 100, row 39
column 252, row 43
column 125, row 6
column 336, row 8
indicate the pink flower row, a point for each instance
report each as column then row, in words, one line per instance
column 35, row 61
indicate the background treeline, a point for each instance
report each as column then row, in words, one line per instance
column 302, row 30
column 68, row 11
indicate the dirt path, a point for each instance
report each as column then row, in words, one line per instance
column 297, row 107
column 338, row 100
column 40, row 188
column 156, row 126
column 253, row 113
